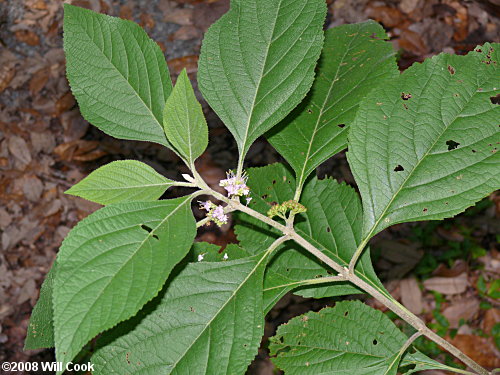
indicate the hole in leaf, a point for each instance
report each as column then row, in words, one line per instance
column 341, row 125
column 474, row 151
column 399, row 168
column 309, row 111
column 375, row 342
column 495, row 99
column 281, row 339
column 328, row 229
column 405, row 96
column 149, row 230
column 425, row 210
column 452, row 144
column 264, row 196
column 451, row 69
column 288, row 270
column 274, row 182
column 346, row 313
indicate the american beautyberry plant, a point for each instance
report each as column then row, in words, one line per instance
column 421, row 146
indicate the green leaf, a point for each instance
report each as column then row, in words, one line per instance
column 421, row 362
column 41, row 327
column 350, row 338
column 355, row 59
column 209, row 321
column 112, row 263
column 332, row 223
column 122, row 181
column 117, row 73
column 257, row 63
column 184, row 122
column 423, row 147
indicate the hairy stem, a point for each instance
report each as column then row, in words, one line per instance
column 348, row 274
column 202, row 222
column 391, row 304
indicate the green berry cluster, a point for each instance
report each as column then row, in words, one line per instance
column 281, row 209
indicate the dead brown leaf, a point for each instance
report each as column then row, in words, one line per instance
column 147, row 21
column 459, row 267
column 448, row 285
column 126, row 12
column 39, row 80
column 32, row 188
column 180, row 16
column 411, row 41
column 480, row 349
column 206, row 14
column 411, row 295
column 465, row 308
column 64, row 103
column 43, row 142
column 27, row 36
column 189, row 62
column 451, row 234
column 389, row 16
column 19, row 149
column 5, row 219
column 491, row 317
column 7, row 72
column 187, row 32
column 79, row 150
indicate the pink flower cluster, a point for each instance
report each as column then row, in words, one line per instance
column 235, row 186
column 215, row 213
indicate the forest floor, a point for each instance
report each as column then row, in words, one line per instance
column 446, row 272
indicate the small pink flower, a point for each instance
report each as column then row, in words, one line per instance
column 206, row 205
column 219, row 216
column 235, row 186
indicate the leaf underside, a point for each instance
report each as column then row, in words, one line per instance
column 350, row 338
column 122, row 181
column 209, row 321
column 112, row 263
column 257, row 63
column 424, row 146
column 117, row 74
column 355, row 59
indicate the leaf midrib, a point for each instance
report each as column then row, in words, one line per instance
column 301, row 177
column 208, row 324
column 261, row 77
column 125, row 187
column 150, row 234
column 424, row 156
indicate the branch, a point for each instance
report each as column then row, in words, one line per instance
column 348, row 274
